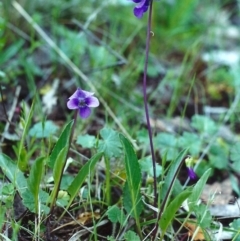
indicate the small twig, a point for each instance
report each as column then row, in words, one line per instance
column 18, row 31
column 10, row 113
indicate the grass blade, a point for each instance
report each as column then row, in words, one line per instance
column 25, row 121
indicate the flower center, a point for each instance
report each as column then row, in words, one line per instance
column 81, row 102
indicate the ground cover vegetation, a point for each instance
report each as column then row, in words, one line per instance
column 119, row 120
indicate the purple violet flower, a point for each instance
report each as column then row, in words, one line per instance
column 191, row 174
column 141, row 7
column 82, row 100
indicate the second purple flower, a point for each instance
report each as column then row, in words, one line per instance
column 141, row 7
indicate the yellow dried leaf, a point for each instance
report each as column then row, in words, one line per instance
column 191, row 230
column 87, row 217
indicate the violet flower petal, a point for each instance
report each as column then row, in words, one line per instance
column 138, row 12
column 84, row 112
column 92, row 101
column 191, row 174
column 72, row 104
column 142, row 3
column 141, row 7
column 82, row 100
column 76, row 94
column 81, row 94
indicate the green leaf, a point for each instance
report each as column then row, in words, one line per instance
column 115, row 214
column 81, row 177
column 110, row 145
column 62, row 142
column 34, row 179
column 142, row 137
column 169, row 213
column 234, row 156
column 175, row 165
column 43, row 131
column 59, row 165
column 11, row 51
column 7, row 189
column 131, row 236
column 29, row 202
column 197, row 190
column 218, row 156
column 66, row 180
column 146, row 166
column 57, row 173
column 86, row 141
column 131, row 192
column 191, row 141
column 62, row 198
column 166, row 143
column 236, row 232
column 15, row 176
column 204, row 125
column 235, row 185
column 203, row 215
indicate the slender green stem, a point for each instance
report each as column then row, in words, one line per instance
column 108, row 186
column 146, row 104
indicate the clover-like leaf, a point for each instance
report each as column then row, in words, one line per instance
column 218, row 156
column 235, row 226
column 146, row 165
column 110, row 145
column 191, row 141
column 131, row 236
column 167, row 143
column 203, row 215
column 204, row 124
column 234, row 156
column 43, row 130
column 29, row 202
column 86, row 141
column 115, row 214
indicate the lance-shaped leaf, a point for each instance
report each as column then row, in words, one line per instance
column 169, row 213
column 57, row 173
column 81, row 177
column 131, row 193
column 171, row 175
column 34, row 180
column 197, row 189
column 62, row 142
